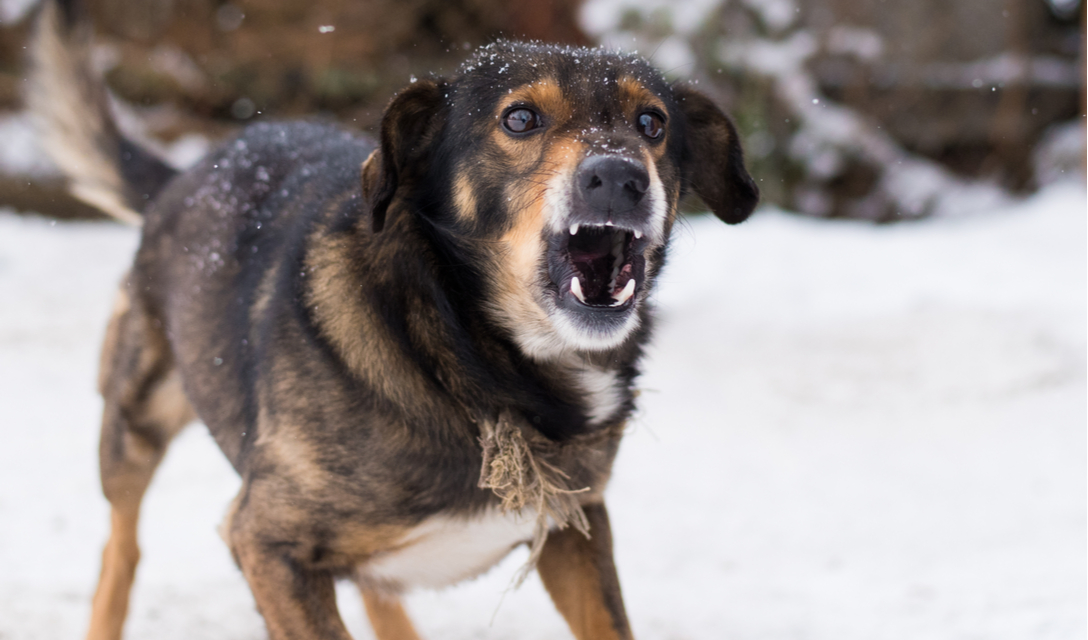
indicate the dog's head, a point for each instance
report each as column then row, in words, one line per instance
column 556, row 173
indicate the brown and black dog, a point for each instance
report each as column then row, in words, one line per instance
column 417, row 353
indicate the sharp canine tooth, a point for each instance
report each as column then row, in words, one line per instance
column 574, row 229
column 576, row 289
column 638, row 234
column 625, row 295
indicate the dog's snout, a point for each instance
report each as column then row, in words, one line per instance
column 612, row 184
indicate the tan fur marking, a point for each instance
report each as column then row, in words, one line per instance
column 263, row 296
column 544, row 94
column 306, row 611
column 655, row 153
column 634, row 97
column 227, row 524
column 268, row 505
column 547, row 97
column 522, row 247
column 119, row 559
column 139, row 421
column 580, row 576
column 388, row 617
column 293, row 457
column 464, row 197
column 358, row 542
column 357, row 335
column 121, row 305
column 168, row 405
column 370, row 171
column 568, row 586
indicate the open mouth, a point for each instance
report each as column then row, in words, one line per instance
column 598, row 266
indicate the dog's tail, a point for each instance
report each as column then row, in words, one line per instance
column 105, row 169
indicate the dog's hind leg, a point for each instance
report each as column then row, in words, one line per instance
column 144, row 408
column 387, row 616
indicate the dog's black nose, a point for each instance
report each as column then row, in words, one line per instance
column 612, row 184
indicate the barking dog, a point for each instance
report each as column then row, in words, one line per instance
column 418, row 353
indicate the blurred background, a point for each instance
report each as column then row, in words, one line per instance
column 849, row 108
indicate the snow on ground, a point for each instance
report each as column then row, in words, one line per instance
column 847, row 432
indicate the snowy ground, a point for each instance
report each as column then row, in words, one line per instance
column 847, row 432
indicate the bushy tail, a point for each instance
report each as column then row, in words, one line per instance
column 104, row 168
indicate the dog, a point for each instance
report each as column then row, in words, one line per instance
column 417, row 352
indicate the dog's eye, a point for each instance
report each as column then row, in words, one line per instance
column 652, row 125
column 520, row 120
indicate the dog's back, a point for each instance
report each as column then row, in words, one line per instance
column 221, row 247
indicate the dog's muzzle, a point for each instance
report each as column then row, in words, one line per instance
column 598, row 264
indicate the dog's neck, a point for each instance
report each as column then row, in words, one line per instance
column 422, row 312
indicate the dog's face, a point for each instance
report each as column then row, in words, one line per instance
column 557, row 172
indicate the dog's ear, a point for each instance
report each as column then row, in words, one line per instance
column 713, row 163
column 408, row 131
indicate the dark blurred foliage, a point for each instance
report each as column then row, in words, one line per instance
column 971, row 85
column 207, row 66
column 229, row 60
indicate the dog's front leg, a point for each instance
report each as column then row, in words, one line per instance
column 580, row 575
column 298, row 601
column 387, row 616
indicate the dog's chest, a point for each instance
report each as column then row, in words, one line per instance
column 603, row 390
column 444, row 550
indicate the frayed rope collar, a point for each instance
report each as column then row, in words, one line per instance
column 524, row 469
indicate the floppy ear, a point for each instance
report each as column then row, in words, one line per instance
column 408, row 128
column 713, row 163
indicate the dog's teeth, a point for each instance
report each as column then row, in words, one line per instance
column 576, row 289
column 625, row 295
column 574, row 229
column 638, row 234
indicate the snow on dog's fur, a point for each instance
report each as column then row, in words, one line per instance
column 422, row 343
